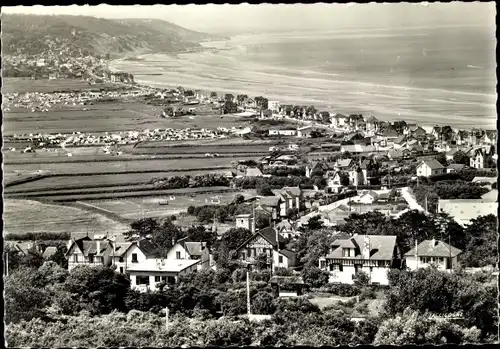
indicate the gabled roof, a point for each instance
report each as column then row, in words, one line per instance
column 371, row 119
column 253, row 172
column 49, row 251
column 400, row 139
column 433, row 248
column 194, row 248
column 390, row 132
column 292, row 191
column 271, row 201
column 268, row 234
column 381, row 247
column 92, row 248
column 343, row 163
column 492, row 195
column 490, row 180
column 456, row 167
column 284, row 225
column 432, row 163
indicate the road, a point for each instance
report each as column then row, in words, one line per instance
column 410, row 199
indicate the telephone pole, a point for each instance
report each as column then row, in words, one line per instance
column 248, row 295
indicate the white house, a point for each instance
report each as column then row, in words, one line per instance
column 368, row 197
column 245, row 221
column 291, row 198
column 429, row 168
column 374, row 255
column 148, row 274
column 274, row 106
column 86, row 251
column 432, row 252
column 304, row 131
column 127, row 254
column 194, row 250
column 265, row 242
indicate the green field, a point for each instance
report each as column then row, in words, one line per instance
column 21, row 216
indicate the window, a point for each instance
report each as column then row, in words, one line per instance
column 142, row 280
column 178, row 255
column 346, row 252
column 322, row 264
column 121, row 270
column 75, row 258
column 280, row 259
column 158, row 279
column 91, row 259
column 134, row 258
column 371, row 269
column 120, row 259
column 341, row 267
column 170, row 280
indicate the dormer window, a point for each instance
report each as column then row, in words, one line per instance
column 346, row 252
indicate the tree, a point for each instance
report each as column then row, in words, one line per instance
column 200, row 233
column 461, row 158
column 481, row 247
column 24, row 300
column 412, row 327
column 264, row 189
column 228, row 97
column 262, row 303
column 239, row 199
column 225, row 248
column 314, row 223
column 441, row 158
column 262, row 219
column 160, row 235
column 314, row 276
column 213, row 94
column 99, row 289
column 316, row 134
column 262, row 261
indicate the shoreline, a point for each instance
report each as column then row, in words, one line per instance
column 389, row 105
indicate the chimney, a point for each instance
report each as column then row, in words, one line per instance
column 366, row 247
column 434, row 242
column 173, row 241
column 98, row 246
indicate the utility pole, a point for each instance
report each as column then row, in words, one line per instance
column 416, row 252
column 248, row 294
column 166, row 318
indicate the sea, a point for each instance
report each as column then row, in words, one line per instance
column 431, row 76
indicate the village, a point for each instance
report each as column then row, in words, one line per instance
column 338, row 206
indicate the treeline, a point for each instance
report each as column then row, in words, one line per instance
column 430, row 192
column 30, row 236
column 278, row 182
column 186, row 181
column 64, row 309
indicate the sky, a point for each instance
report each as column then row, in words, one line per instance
column 245, row 18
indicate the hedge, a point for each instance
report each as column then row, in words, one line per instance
column 30, row 236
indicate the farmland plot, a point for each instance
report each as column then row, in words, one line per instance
column 21, row 216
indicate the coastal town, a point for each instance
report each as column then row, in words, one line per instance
column 236, row 219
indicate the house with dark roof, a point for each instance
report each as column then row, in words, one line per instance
column 374, row 255
column 291, row 198
column 429, row 168
column 266, row 242
column 126, row 254
column 455, row 168
column 270, row 204
column 489, row 137
column 481, row 157
column 195, row 250
column 432, row 253
column 372, row 124
column 86, row 251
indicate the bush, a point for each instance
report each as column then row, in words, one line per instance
column 341, row 290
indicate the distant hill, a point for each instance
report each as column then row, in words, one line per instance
column 33, row 34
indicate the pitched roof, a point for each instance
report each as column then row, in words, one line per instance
column 372, row 119
column 400, row 139
column 433, row 248
column 253, row 172
column 271, row 201
column 381, row 247
column 395, row 153
column 194, row 248
column 456, row 167
column 432, row 163
column 165, row 265
column 492, row 195
column 91, row 247
column 490, row 180
column 49, row 251
column 293, row 191
column 268, row 234
column 343, row 163
column 390, row 132
column 284, row 225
